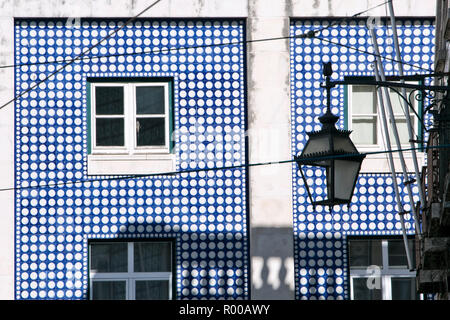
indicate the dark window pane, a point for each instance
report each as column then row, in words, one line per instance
column 364, row 253
column 150, row 131
column 152, row 290
column 109, row 132
column 109, row 257
column 108, row 100
column 150, row 100
column 404, row 289
column 109, row 290
column 152, row 257
column 361, row 290
column 397, row 253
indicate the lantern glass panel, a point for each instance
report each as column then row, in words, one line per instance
column 346, row 173
column 329, row 182
column 317, row 144
column 344, row 143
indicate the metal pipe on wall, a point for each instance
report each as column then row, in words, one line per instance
column 394, row 129
column 392, row 167
column 405, row 105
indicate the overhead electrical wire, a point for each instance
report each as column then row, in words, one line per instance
column 181, row 48
column 381, row 56
column 309, row 34
column 245, row 165
column 82, row 56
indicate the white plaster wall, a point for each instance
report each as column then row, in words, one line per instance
column 269, row 140
column 268, row 101
column 304, row 8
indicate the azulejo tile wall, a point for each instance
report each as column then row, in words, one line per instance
column 205, row 211
column 320, row 237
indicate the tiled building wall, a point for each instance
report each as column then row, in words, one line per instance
column 204, row 211
column 320, row 237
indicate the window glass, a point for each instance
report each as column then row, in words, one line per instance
column 397, row 102
column 109, row 290
column 363, row 101
column 364, row 253
column 364, row 119
column 152, row 257
column 150, row 131
column 391, row 279
column 402, row 129
column 109, row 100
column 364, row 130
column 130, row 270
column 364, row 115
column 397, row 254
column 152, row 290
column 140, row 121
column 150, row 100
column 404, row 289
column 109, row 257
column 361, row 290
column 109, row 132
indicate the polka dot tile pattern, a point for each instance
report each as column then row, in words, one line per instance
column 205, row 212
column 320, row 237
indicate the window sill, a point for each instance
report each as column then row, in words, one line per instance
column 379, row 163
column 124, row 164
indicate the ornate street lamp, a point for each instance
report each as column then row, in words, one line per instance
column 331, row 148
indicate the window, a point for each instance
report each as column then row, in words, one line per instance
column 130, row 118
column 379, row 270
column 363, row 117
column 130, row 270
column 130, row 127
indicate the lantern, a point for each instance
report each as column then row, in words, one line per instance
column 332, row 149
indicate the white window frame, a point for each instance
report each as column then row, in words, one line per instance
column 130, row 115
column 380, row 135
column 386, row 272
column 131, row 277
column 131, row 159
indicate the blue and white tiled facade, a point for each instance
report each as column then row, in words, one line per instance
column 204, row 211
column 59, row 207
column 320, row 237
